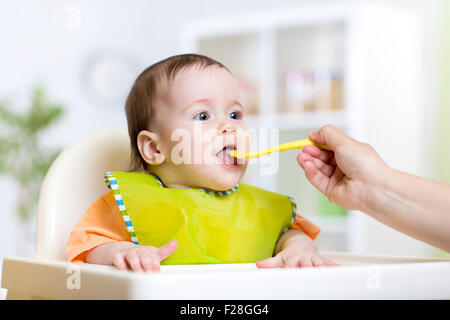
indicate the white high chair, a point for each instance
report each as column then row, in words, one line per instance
column 75, row 181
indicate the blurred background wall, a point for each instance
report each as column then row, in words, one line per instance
column 442, row 155
column 68, row 48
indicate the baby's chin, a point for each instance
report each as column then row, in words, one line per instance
column 220, row 181
column 220, row 186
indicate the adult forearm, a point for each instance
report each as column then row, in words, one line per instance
column 413, row 205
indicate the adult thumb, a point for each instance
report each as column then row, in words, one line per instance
column 167, row 250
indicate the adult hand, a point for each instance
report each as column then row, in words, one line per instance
column 354, row 176
column 347, row 173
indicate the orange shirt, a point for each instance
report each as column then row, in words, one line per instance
column 103, row 223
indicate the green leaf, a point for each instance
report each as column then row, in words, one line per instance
column 21, row 155
column 9, row 117
column 42, row 114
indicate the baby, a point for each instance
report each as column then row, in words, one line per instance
column 173, row 211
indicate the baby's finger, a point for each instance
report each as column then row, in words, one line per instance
column 329, row 262
column 146, row 259
column 155, row 262
column 317, row 261
column 305, row 262
column 118, row 261
column 167, row 250
column 291, row 262
column 133, row 261
column 273, row 262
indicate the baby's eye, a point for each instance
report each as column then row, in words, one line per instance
column 202, row 116
column 235, row 115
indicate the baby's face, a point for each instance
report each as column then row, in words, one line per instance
column 203, row 118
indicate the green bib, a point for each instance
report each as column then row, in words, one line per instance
column 240, row 225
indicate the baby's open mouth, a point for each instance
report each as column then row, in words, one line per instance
column 225, row 158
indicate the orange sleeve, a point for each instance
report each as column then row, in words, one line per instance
column 100, row 224
column 303, row 224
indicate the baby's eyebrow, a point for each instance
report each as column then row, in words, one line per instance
column 238, row 103
column 204, row 100
column 208, row 101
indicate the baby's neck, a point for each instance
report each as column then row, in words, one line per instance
column 177, row 186
column 181, row 186
column 171, row 185
column 167, row 182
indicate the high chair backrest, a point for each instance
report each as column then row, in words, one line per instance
column 74, row 181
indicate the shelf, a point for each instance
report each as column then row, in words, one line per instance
column 313, row 47
column 297, row 121
column 310, row 67
column 307, row 66
column 236, row 52
column 297, row 68
column 240, row 61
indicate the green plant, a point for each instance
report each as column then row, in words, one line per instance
column 22, row 157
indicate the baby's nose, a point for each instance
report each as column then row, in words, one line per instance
column 227, row 128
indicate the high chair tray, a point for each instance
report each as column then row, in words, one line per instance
column 357, row 277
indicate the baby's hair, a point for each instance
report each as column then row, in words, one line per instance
column 149, row 89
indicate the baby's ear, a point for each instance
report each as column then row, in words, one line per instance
column 148, row 144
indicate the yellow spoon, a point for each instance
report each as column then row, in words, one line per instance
column 282, row 147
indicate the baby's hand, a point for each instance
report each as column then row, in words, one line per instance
column 286, row 259
column 143, row 258
column 298, row 250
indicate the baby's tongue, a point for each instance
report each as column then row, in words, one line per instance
column 226, row 158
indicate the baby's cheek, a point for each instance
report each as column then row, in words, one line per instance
column 242, row 140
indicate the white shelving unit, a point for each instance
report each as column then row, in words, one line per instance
column 376, row 53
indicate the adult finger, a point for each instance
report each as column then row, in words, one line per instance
column 316, row 152
column 315, row 177
column 167, row 250
column 331, row 136
column 325, row 168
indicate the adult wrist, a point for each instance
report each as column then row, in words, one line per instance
column 376, row 189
